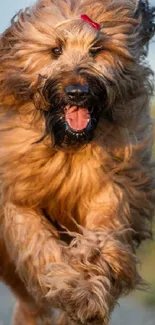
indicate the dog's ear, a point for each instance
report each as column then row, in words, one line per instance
column 146, row 15
column 12, row 81
column 8, row 38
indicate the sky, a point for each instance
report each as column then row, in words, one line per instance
column 8, row 8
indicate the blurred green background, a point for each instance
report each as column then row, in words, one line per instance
column 147, row 256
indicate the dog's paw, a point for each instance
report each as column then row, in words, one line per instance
column 87, row 301
column 102, row 253
column 86, row 252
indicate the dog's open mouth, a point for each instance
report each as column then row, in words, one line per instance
column 77, row 118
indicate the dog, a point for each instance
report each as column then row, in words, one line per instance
column 76, row 170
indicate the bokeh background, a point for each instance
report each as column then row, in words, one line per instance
column 137, row 309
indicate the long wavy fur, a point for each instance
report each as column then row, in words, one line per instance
column 102, row 193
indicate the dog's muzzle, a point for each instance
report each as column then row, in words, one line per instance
column 77, row 116
column 73, row 109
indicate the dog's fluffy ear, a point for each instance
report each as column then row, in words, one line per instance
column 146, row 14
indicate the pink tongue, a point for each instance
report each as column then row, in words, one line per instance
column 77, row 117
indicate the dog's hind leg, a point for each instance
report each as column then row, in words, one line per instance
column 25, row 316
column 26, row 312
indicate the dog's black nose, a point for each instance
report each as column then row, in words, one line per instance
column 77, row 92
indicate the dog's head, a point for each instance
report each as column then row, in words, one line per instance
column 78, row 62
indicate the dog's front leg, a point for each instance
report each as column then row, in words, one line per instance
column 110, row 270
column 84, row 279
column 38, row 254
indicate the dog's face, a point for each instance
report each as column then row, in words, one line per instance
column 74, row 85
column 78, row 62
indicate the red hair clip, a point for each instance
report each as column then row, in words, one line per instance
column 91, row 22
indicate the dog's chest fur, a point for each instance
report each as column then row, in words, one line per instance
column 61, row 183
column 66, row 185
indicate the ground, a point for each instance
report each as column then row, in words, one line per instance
column 130, row 312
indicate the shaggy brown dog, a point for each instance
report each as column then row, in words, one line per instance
column 75, row 156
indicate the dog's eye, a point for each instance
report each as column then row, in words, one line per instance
column 56, row 51
column 95, row 50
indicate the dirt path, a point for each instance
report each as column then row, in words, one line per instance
column 130, row 312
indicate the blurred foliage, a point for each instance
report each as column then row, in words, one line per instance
column 147, row 258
